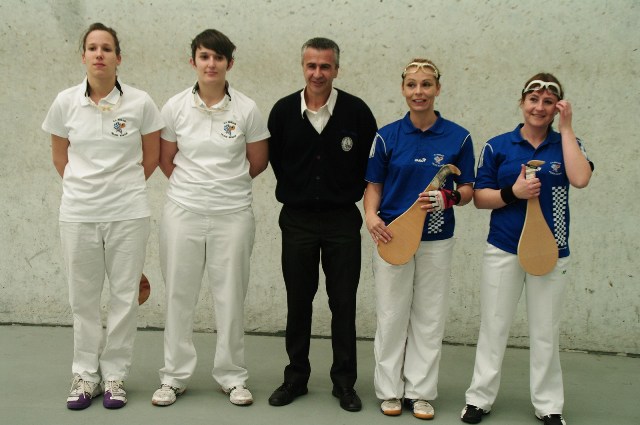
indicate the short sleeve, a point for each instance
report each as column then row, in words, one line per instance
column 256, row 126
column 151, row 118
column 378, row 159
column 54, row 122
column 466, row 162
column 169, row 131
column 487, row 173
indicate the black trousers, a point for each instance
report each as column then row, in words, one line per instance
column 330, row 238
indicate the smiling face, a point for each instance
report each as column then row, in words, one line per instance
column 320, row 69
column 100, row 55
column 210, row 66
column 420, row 90
column 539, row 108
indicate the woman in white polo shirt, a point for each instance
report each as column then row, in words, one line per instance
column 105, row 141
column 214, row 144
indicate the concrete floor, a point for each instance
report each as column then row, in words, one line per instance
column 35, row 376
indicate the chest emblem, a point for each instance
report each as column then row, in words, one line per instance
column 347, row 144
column 229, row 130
column 556, row 168
column 119, row 127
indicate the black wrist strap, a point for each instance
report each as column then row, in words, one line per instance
column 456, row 197
column 507, row 195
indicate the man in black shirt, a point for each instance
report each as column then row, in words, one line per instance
column 319, row 146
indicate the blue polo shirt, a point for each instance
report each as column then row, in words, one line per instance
column 404, row 159
column 499, row 165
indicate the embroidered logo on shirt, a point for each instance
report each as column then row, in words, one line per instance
column 555, row 168
column 347, row 143
column 229, row 130
column 119, row 127
column 437, row 159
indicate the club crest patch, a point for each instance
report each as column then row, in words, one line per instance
column 119, row 127
column 229, row 130
column 556, row 168
column 437, row 159
column 347, row 143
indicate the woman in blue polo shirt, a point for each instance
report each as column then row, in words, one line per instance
column 501, row 186
column 411, row 299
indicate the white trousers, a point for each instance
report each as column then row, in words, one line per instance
column 189, row 244
column 90, row 251
column 411, row 306
column 501, row 287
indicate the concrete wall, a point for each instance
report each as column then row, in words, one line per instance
column 485, row 49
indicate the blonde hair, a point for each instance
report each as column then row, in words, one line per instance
column 421, row 62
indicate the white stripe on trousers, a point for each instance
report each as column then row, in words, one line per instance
column 90, row 251
column 411, row 306
column 501, row 287
column 189, row 244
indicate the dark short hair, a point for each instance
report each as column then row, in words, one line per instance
column 97, row 26
column 214, row 40
column 321, row 43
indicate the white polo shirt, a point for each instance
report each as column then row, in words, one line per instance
column 212, row 171
column 104, row 178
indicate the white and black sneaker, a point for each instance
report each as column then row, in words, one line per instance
column 553, row 419
column 472, row 414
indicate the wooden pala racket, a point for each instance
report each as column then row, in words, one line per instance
column 145, row 289
column 407, row 228
column 537, row 248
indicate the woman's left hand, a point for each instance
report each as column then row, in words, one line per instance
column 564, row 110
column 425, row 200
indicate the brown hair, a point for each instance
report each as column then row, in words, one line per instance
column 542, row 76
column 97, row 26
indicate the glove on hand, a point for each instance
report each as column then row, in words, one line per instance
column 443, row 199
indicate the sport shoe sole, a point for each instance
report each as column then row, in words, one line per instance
column 164, row 396
column 555, row 420
column 391, row 408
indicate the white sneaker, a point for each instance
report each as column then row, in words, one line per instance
column 239, row 395
column 391, row 407
column 422, row 409
column 166, row 395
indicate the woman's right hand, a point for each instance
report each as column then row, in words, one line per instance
column 525, row 188
column 377, row 229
